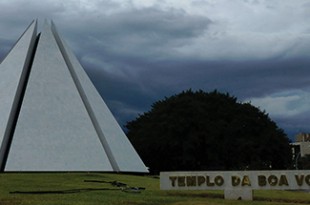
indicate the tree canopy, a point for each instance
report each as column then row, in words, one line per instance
column 208, row 131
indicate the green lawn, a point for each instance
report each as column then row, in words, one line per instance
column 71, row 188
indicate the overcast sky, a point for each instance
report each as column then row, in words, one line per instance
column 139, row 51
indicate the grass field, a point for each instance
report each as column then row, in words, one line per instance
column 96, row 188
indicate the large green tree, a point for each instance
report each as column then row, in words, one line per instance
column 208, row 131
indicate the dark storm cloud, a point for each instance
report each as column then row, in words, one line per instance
column 139, row 33
column 132, row 46
column 15, row 15
column 136, row 53
column 166, row 78
column 294, row 125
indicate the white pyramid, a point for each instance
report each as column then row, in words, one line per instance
column 57, row 121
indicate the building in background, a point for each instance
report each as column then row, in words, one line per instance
column 301, row 147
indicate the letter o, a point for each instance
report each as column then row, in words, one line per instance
column 307, row 179
column 219, row 180
column 272, row 180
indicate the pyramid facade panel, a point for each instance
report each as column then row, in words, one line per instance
column 13, row 71
column 119, row 149
column 54, row 131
